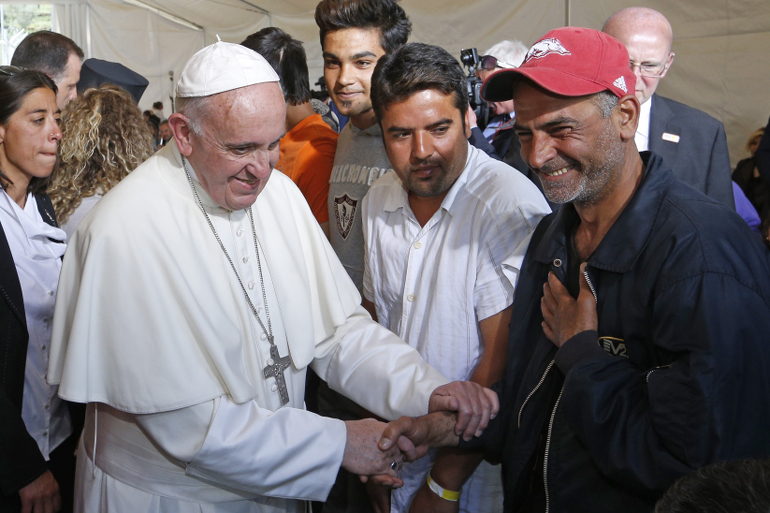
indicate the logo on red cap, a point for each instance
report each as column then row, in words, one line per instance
column 620, row 83
column 545, row 47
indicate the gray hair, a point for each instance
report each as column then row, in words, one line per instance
column 510, row 52
column 605, row 101
column 195, row 109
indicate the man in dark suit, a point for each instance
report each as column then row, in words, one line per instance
column 690, row 141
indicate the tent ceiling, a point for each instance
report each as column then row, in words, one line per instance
column 721, row 46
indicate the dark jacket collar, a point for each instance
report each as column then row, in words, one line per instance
column 10, row 288
column 45, row 207
column 624, row 242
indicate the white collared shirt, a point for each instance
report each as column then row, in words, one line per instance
column 642, row 137
column 431, row 285
column 37, row 255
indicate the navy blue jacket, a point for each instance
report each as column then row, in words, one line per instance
column 677, row 375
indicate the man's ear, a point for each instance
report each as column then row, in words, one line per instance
column 2, row 134
column 180, row 127
column 627, row 116
column 669, row 63
column 467, row 122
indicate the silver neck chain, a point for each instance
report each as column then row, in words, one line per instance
column 269, row 330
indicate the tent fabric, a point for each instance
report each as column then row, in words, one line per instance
column 721, row 46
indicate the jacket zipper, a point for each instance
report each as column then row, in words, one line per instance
column 590, row 285
column 547, row 448
column 518, row 425
column 647, row 378
column 555, row 406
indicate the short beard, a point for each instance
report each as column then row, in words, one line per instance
column 344, row 105
column 437, row 188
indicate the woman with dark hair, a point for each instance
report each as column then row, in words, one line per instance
column 35, row 427
column 105, row 138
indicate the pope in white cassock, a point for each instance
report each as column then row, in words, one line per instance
column 188, row 312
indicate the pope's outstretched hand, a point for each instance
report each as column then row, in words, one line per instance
column 364, row 457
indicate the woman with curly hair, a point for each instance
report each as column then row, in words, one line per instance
column 104, row 138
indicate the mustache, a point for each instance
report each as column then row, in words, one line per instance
column 555, row 165
column 429, row 162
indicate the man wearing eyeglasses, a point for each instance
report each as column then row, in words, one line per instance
column 691, row 142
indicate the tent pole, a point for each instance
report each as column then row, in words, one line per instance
column 165, row 14
column 88, row 30
column 2, row 28
column 260, row 9
column 567, row 13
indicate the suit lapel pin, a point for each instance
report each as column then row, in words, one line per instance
column 670, row 137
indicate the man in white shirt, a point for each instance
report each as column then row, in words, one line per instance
column 445, row 233
column 691, row 142
column 188, row 325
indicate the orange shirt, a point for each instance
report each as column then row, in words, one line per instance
column 306, row 156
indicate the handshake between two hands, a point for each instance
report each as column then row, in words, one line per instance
column 376, row 449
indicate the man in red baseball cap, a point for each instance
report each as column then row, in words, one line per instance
column 637, row 349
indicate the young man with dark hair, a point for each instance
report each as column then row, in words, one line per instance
column 354, row 35
column 55, row 55
column 445, row 236
column 384, row 16
column 307, row 150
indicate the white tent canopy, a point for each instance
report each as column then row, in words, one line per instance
column 722, row 46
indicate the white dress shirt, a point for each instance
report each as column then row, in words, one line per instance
column 642, row 137
column 37, row 249
column 432, row 284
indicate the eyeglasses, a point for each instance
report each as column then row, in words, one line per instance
column 10, row 71
column 487, row 62
column 651, row 70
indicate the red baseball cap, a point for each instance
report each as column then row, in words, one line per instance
column 568, row 61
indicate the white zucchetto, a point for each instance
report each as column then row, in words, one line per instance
column 223, row 67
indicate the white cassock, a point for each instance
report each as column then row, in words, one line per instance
column 152, row 329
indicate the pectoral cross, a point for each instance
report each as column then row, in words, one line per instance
column 276, row 364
